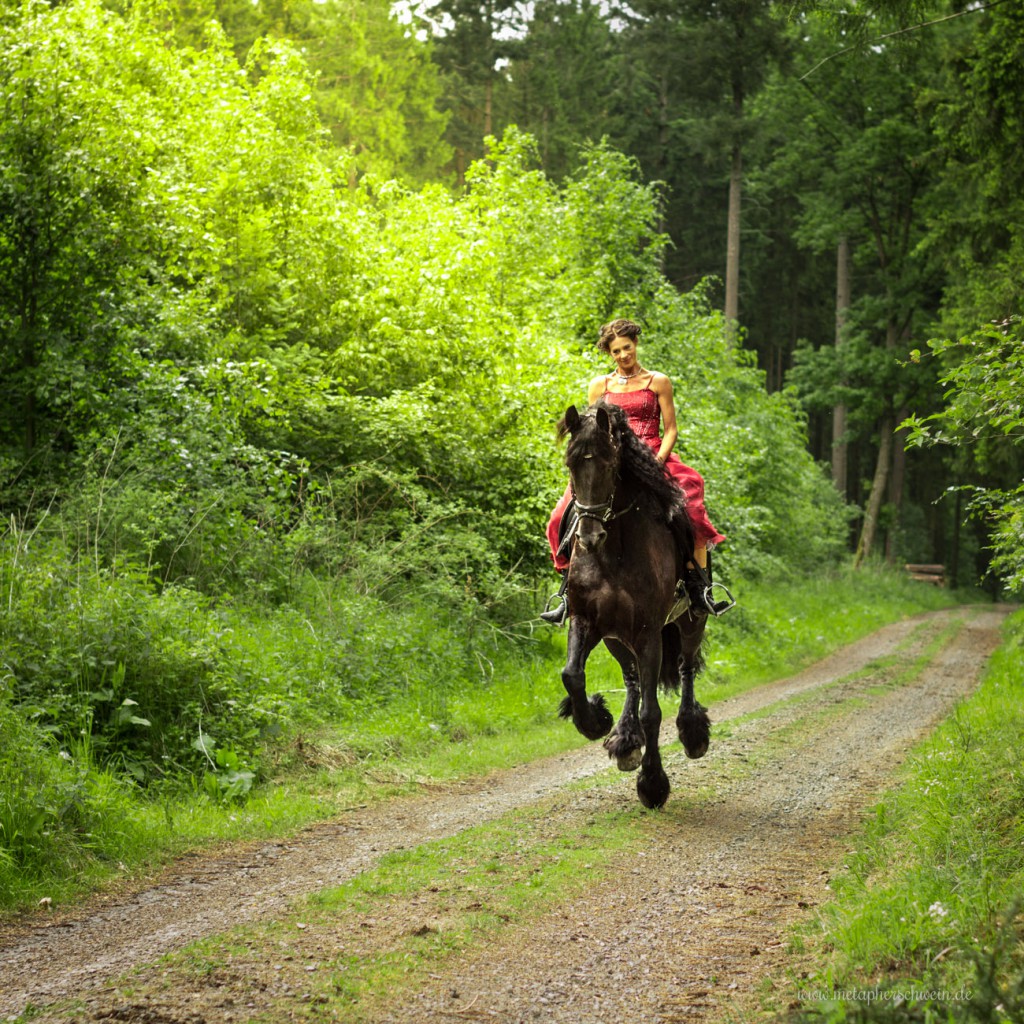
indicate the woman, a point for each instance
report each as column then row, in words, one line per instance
column 646, row 398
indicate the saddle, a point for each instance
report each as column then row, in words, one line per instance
column 567, row 529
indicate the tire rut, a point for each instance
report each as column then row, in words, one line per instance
column 753, row 844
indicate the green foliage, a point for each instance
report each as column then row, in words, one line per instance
column 567, row 101
column 976, row 220
column 377, row 90
column 56, row 812
column 97, row 657
column 984, row 376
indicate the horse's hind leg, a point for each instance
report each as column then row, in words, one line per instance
column 625, row 742
column 591, row 717
column 692, row 721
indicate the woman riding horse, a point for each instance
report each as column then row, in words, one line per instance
column 646, row 398
column 633, row 542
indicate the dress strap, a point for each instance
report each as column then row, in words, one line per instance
column 650, row 382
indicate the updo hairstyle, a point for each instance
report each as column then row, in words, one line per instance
column 620, row 328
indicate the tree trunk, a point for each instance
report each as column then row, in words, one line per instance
column 843, row 294
column 896, row 485
column 732, row 253
column 953, row 575
column 460, row 166
column 488, row 104
column 662, row 172
column 878, row 485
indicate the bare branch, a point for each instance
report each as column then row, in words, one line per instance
column 900, row 32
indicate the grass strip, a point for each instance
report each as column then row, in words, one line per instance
column 927, row 924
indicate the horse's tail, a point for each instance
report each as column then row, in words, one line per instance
column 671, row 652
column 672, row 658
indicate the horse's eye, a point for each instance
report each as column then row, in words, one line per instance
column 587, row 456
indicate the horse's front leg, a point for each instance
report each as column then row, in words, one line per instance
column 652, row 784
column 625, row 742
column 591, row 717
column 692, row 722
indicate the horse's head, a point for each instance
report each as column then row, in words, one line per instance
column 593, row 460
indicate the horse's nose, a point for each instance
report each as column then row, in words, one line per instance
column 591, row 535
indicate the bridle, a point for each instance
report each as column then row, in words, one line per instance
column 601, row 511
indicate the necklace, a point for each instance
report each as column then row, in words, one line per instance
column 626, row 378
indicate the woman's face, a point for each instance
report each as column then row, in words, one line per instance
column 623, row 351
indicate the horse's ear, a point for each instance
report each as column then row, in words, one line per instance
column 572, row 419
column 604, row 421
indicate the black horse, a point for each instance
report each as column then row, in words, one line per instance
column 632, row 544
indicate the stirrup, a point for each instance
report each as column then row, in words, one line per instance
column 717, row 608
column 557, row 614
column 697, row 583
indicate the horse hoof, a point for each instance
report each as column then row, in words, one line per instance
column 652, row 790
column 603, row 716
column 631, row 761
column 694, row 732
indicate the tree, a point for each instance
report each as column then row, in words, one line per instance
column 977, row 217
column 861, row 155
column 377, row 90
column 696, row 65
column 73, row 229
column 560, row 84
column 478, row 38
column 375, row 86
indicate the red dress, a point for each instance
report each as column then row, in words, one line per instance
column 644, row 414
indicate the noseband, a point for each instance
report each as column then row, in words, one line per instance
column 602, row 512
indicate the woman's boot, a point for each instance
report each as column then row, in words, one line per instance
column 701, row 591
column 557, row 609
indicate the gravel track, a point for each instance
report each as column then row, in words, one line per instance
column 795, row 765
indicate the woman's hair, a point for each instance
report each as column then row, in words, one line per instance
column 620, row 328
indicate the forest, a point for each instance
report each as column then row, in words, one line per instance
column 293, row 293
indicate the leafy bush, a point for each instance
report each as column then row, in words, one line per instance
column 160, row 681
column 55, row 811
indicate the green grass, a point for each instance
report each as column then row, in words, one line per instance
column 68, row 825
column 779, row 628
column 930, row 899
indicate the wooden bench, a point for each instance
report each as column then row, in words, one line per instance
column 933, row 574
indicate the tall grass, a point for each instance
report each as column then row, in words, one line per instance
column 930, row 901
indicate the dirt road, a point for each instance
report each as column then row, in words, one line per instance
column 743, row 850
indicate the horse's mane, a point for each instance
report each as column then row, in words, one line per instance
column 644, row 475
